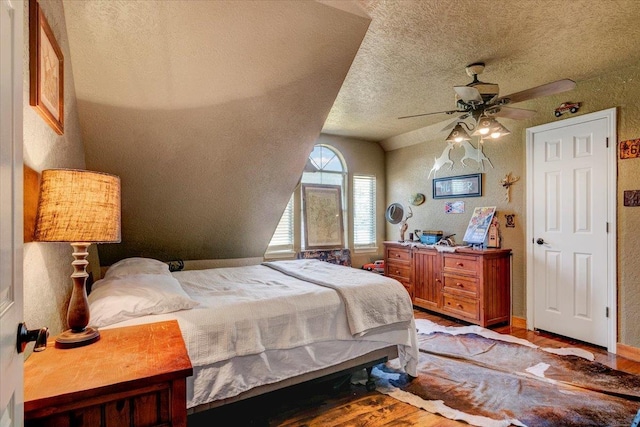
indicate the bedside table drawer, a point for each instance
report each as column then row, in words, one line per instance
column 150, row 406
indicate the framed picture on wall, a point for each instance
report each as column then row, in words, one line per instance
column 46, row 70
column 458, row 186
column 322, row 210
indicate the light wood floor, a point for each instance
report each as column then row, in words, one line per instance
column 331, row 404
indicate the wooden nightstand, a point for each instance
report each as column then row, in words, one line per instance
column 133, row 376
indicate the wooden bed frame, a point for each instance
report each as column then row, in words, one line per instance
column 361, row 362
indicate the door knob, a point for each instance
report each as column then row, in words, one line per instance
column 540, row 241
column 25, row 336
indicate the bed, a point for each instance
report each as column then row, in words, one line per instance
column 253, row 329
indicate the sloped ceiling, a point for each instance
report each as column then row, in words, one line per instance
column 207, row 110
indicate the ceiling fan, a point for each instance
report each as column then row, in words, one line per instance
column 479, row 99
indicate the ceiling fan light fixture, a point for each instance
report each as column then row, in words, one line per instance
column 485, row 126
column 499, row 131
column 458, row 134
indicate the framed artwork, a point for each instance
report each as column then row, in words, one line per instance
column 46, row 70
column 458, row 186
column 322, row 210
column 479, row 225
column 454, row 207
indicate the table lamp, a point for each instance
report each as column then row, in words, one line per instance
column 79, row 207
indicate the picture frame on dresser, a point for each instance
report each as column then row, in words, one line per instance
column 46, row 70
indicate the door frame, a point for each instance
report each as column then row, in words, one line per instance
column 612, row 284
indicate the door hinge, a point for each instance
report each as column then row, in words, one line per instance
column 607, row 142
column 606, row 311
column 607, row 227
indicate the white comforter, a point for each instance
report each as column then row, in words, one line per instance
column 250, row 310
column 372, row 301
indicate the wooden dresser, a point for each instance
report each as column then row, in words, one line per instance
column 132, row 376
column 471, row 285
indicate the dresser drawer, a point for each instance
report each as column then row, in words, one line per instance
column 462, row 264
column 460, row 307
column 460, row 285
column 399, row 271
column 399, row 254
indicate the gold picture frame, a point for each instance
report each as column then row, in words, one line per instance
column 322, row 208
column 46, row 70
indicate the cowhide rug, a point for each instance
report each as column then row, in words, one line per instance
column 472, row 374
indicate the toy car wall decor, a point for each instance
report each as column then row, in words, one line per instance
column 571, row 107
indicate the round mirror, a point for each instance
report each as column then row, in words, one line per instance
column 395, row 213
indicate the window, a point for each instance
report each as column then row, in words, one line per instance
column 364, row 212
column 282, row 239
column 325, row 165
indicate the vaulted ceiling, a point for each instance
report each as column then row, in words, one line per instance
column 208, row 109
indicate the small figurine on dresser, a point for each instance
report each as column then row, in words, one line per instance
column 493, row 235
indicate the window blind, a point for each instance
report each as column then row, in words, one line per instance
column 364, row 211
column 282, row 239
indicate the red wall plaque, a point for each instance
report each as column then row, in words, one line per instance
column 630, row 149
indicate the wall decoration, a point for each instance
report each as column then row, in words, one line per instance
column 511, row 220
column 571, row 107
column 416, row 199
column 630, row 149
column 479, row 225
column 507, row 182
column 632, row 198
column 458, row 186
column 454, row 207
column 322, row 209
column 442, row 160
column 46, row 70
column 473, row 153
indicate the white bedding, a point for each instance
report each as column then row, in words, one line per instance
column 361, row 293
column 256, row 312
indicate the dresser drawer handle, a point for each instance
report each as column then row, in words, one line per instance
column 460, row 285
column 459, row 305
column 398, row 272
column 459, row 264
column 397, row 255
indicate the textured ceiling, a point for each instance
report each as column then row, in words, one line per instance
column 415, row 51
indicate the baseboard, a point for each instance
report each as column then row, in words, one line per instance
column 518, row 322
column 632, row 353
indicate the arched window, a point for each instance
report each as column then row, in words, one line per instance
column 327, row 166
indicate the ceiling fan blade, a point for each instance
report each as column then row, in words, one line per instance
column 429, row 114
column 538, row 91
column 468, row 94
column 514, row 113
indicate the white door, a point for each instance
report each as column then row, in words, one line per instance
column 571, row 232
column 11, row 47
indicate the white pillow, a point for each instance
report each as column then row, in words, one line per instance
column 115, row 300
column 137, row 265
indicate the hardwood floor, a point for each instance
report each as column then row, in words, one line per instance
column 342, row 404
